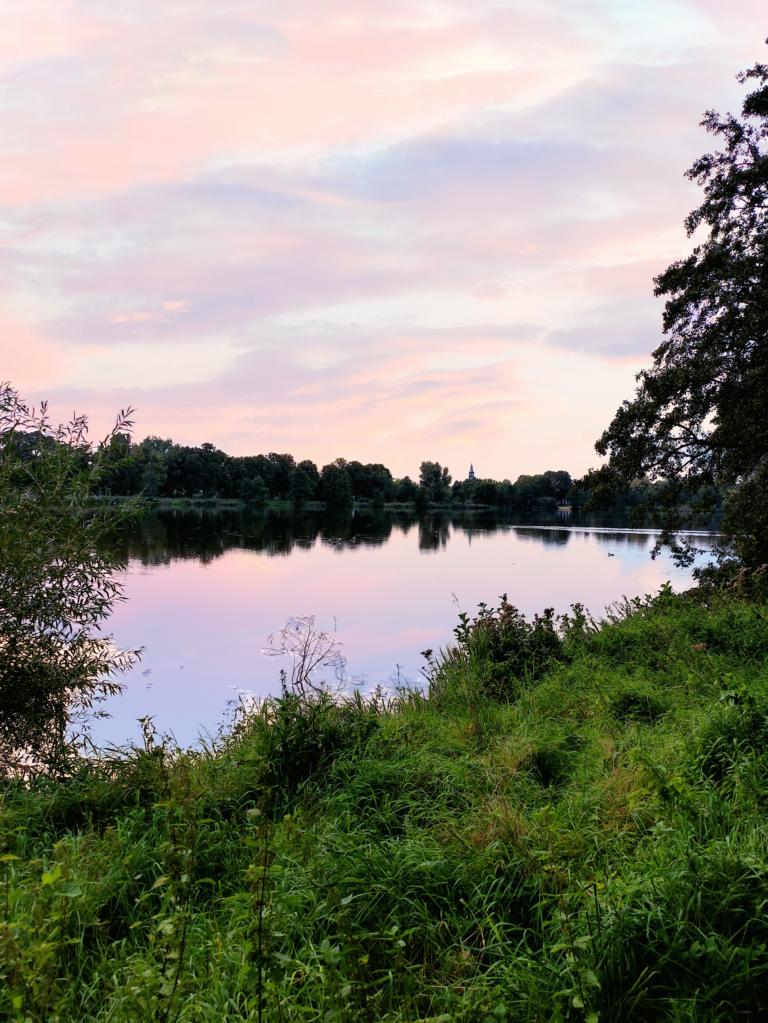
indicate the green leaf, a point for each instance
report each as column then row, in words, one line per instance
column 51, row 876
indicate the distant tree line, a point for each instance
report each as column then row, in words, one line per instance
column 158, row 468
column 155, row 468
column 551, row 488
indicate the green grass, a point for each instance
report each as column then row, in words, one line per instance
column 590, row 843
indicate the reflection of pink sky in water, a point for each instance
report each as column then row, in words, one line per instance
column 203, row 626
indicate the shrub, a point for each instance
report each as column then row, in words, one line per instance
column 57, row 583
column 297, row 735
column 505, row 651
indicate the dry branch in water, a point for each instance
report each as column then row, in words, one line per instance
column 310, row 650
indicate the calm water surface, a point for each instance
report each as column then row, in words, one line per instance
column 205, row 590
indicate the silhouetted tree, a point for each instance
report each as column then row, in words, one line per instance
column 700, row 413
column 434, row 482
column 336, row 485
column 404, row 490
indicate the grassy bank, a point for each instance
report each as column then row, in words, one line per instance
column 567, row 829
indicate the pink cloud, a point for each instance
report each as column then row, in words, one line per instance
column 165, row 314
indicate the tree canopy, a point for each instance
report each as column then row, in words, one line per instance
column 699, row 416
column 435, row 482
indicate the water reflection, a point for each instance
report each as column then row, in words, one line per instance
column 205, row 589
column 614, row 538
column 205, row 535
column 545, row 536
column 434, row 532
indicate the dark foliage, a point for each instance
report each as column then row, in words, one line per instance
column 699, row 417
column 157, row 468
column 57, row 583
column 300, row 734
column 513, row 651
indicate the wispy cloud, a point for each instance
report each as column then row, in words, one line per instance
column 418, row 229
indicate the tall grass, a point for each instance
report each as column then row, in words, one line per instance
column 571, row 825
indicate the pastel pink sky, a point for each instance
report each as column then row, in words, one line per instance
column 419, row 229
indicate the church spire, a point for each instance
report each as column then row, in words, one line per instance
column 471, row 475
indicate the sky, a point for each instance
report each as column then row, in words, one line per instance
column 419, row 229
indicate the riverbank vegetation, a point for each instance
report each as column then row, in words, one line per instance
column 569, row 825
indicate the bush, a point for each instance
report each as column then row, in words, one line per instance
column 57, row 583
column 297, row 735
column 505, row 651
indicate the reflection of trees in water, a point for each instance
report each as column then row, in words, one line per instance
column 404, row 522
column 549, row 537
column 434, row 531
column 205, row 534
column 345, row 532
column 641, row 540
column 614, row 539
column 479, row 524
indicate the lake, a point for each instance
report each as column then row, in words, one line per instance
column 206, row 589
